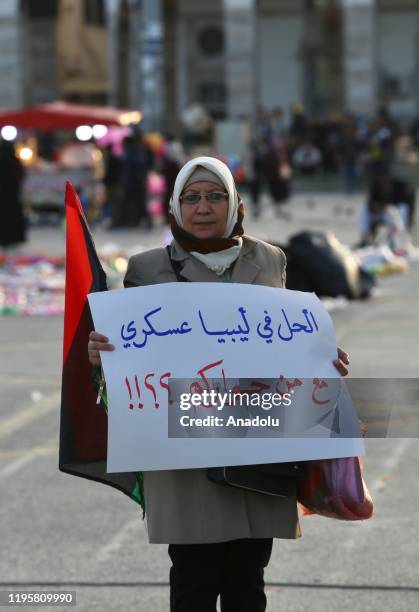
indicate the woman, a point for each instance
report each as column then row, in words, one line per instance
column 220, row 538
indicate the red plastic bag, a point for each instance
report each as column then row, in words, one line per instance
column 335, row 488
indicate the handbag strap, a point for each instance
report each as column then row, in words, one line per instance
column 177, row 267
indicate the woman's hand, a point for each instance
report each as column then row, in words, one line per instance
column 97, row 342
column 341, row 362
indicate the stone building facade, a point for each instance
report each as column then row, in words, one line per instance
column 331, row 56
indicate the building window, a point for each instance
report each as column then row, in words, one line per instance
column 94, row 12
column 211, row 94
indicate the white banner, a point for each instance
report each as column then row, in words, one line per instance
column 201, row 331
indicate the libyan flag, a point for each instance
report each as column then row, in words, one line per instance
column 84, row 423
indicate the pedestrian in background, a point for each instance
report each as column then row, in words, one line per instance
column 113, row 183
column 171, row 162
column 136, row 163
column 384, row 192
column 278, row 185
column 12, row 224
column 253, row 162
column 307, row 158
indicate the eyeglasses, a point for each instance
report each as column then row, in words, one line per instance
column 213, row 197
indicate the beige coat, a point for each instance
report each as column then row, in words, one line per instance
column 183, row 506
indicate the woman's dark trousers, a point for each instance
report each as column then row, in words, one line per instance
column 234, row 570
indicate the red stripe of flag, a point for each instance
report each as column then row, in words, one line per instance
column 83, row 425
column 83, row 422
column 77, row 268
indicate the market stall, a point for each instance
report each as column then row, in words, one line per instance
column 76, row 155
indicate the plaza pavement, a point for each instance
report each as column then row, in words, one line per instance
column 61, row 532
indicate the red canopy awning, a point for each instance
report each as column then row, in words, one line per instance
column 65, row 116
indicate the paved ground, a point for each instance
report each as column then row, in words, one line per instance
column 60, row 532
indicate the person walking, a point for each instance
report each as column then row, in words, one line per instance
column 278, row 186
column 136, row 163
column 112, row 182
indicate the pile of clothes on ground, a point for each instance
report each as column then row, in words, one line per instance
column 34, row 284
column 317, row 262
column 31, row 285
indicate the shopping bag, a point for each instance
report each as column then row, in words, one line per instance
column 335, row 488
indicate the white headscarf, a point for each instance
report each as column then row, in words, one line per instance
column 219, row 261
